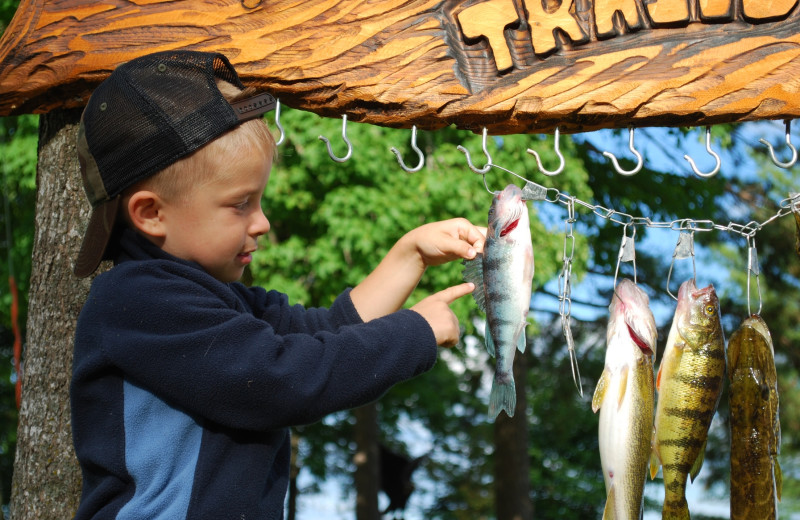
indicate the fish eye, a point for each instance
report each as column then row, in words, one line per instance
column 711, row 310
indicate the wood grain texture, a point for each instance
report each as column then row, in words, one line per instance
column 513, row 66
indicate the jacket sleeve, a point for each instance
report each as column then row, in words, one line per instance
column 199, row 348
column 274, row 308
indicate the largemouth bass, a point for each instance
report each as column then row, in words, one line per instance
column 756, row 478
column 625, row 398
column 797, row 231
column 689, row 384
column 503, row 275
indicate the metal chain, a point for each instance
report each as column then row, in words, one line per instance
column 747, row 231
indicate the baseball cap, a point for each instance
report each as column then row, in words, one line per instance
column 149, row 113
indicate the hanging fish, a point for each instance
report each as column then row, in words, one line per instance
column 625, row 398
column 756, row 478
column 503, row 275
column 797, row 232
column 689, row 384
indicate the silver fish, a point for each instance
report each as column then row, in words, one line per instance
column 625, row 396
column 503, row 275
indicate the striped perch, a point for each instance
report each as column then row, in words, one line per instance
column 503, row 275
column 689, row 384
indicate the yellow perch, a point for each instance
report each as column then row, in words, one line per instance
column 689, row 384
column 625, row 398
column 755, row 426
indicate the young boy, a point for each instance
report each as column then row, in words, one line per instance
column 185, row 382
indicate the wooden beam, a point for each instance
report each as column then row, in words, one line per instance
column 513, row 66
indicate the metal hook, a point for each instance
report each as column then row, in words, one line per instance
column 558, row 153
column 346, row 140
column 788, row 143
column 634, row 151
column 414, row 147
column 708, row 148
column 683, row 249
column 474, row 168
column 278, row 122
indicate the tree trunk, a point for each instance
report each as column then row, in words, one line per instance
column 512, row 465
column 366, row 459
column 47, row 479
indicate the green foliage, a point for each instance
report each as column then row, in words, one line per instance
column 7, row 10
column 18, row 142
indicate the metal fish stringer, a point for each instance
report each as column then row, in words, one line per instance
column 627, row 253
column 752, row 269
column 564, row 291
column 683, row 249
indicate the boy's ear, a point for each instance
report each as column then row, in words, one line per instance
column 145, row 213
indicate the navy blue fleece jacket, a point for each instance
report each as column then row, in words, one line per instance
column 184, row 387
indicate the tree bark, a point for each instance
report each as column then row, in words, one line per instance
column 512, row 465
column 47, row 480
column 367, row 474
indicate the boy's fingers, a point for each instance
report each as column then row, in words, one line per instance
column 451, row 294
column 472, row 234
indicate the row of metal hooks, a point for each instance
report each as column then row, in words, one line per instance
column 639, row 159
column 485, row 168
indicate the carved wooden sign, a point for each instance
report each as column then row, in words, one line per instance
column 513, row 66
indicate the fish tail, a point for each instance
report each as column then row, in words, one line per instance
column 677, row 509
column 675, row 505
column 503, row 396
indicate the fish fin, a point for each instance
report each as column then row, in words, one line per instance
column 600, row 390
column 473, row 272
column 623, row 385
column 778, row 479
column 522, row 342
column 503, row 397
column 609, row 511
column 489, row 341
column 655, row 456
column 698, row 462
column 658, row 377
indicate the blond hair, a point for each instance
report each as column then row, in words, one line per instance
column 176, row 181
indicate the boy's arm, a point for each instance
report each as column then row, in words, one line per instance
column 388, row 287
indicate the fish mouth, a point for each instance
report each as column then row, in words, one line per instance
column 702, row 292
column 689, row 289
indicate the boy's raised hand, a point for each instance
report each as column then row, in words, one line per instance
column 448, row 240
column 436, row 311
column 388, row 287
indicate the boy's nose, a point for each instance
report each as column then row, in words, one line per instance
column 261, row 225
